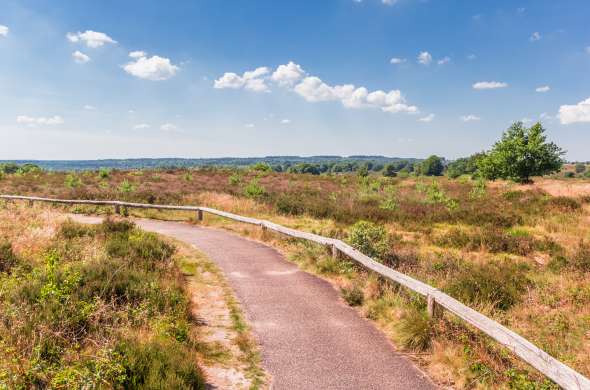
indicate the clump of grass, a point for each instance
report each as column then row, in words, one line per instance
column 499, row 284
column 495, row 240
column 353, row 295
column 104, row 173
column 126, row 186
column 564, row 204
column 415, row 330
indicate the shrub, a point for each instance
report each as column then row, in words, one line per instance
column 72, row 181
column 569, row 175
column 415, row 330
column 7, row 257
column 159, row 364
column 261, row 167
column 70, row 229
column 580, row 168
column 564, row 204
column 254, row 190
column 495, row 283
column 581, row 258
column 126, row 186
column 104, row 173
column 353, row 295
column 109, row 226
column 369, row 238
column 432, row 166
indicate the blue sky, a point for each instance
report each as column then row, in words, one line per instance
column 114, row 79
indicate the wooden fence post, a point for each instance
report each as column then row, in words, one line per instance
column 199, row 215
column 117, row 209
column 334, row 252
column 431, row 306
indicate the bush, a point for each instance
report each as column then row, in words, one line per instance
column 580, row 168
column 369, row 238
column 72, row 181
column 569, row 175
column 353, row 295
column 564, row 204
column 495, row 283
column 415, row 330
column 126, row 186
column 581, row 258
column 159, row 364
column 109, row 226
column 70, row 229
column 104, row 173
column 432, row 166
column 254, row 190
column 7, row 257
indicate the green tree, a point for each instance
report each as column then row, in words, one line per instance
column 389, row 170
column 432, row 166
column 463, row 166
column 521, row 153
column 580, row 168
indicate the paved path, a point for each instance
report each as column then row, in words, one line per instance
column 310, row 339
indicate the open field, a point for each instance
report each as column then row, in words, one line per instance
column 517, row 253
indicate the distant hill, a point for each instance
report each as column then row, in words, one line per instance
column 68, row 165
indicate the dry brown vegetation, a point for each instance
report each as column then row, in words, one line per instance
column 519, row 254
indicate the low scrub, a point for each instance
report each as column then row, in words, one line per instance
column 496, row 284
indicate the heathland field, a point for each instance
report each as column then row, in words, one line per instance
column 519, row 253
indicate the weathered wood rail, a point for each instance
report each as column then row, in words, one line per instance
column 557, row 371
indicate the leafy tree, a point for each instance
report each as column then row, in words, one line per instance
column 463, row 166
column 521, row 153
column 389, row 170
column 432, row 166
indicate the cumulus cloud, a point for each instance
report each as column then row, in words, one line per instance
column 253, row 80
column 249, row 125
column 288, row 74
column 577, row 113
column 469, row 118
column 80, row 57
column 91, row 38
column 285, row 121
column 397, row 61
column 313, row 89
column 168, row 127
column 89, row 107
column 535, row 36
column 389, row 2
column 544, row 88
column 489, row 85
column 39, row 121
column 471, row 57
column 137, row 54
column 424, row 58
column 3, row 31
column 427, row 118
column 155, row 68
column 444, row 60
column 142, row 126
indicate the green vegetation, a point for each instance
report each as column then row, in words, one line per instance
column 521, row 153
column 105, row 308
column 432, row 166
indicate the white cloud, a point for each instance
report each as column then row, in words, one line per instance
column 444, row 60
column 89, row 107
column 424, row 58
column 489, row 85
column 137, row 54
column 252, row 80
column 526, row 121
column 288, row 74
column 285, row 121
column 471, row 57
column 544, row 88
column 520, row 10
column 427, row 118
column 313, row 89
column 92, row 39
column 535, row 36
column 389, row 2
column 154, row 68
column 577, row 113
column 469, row 118
column 41, row 121
column 545, row 116
column 3, row 31
column 396, row 61
column 143, row 126
column 168, row 127
column 249, row 125
column 80, row 57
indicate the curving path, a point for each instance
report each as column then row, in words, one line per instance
column 310, row 339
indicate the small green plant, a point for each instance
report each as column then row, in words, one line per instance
column 390, row 202
column 126, row 186
column 369, row 238
column 7, row 257
column 435, row 195
column 72, row 181
column 261, row 167
column 254, row 190
column 479, row 189
column 235, row 178
column 104, row 173
column 188, row 177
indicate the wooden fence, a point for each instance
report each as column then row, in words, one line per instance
column 561, row 374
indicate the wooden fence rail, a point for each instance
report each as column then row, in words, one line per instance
column 561, row 374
